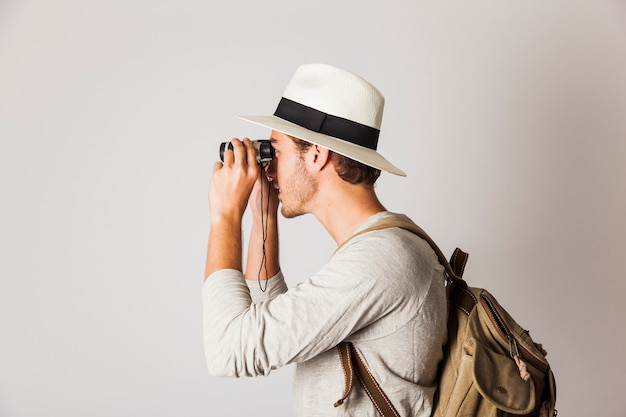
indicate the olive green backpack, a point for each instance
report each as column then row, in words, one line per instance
column 491, row 366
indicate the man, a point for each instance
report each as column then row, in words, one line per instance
column 382, row 290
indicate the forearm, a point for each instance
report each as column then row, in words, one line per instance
column 229, row 190
column 263, row 261
column 224, row 246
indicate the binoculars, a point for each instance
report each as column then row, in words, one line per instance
column 264, row 150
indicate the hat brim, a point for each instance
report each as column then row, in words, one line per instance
column 359, row 153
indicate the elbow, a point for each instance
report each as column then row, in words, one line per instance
column 218, row 368
column 225, row 360
column 223, row 364
column 219, row 360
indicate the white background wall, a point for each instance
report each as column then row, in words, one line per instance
column 509, row 118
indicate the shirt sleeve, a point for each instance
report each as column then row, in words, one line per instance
column 266, row 290
column 355, row 289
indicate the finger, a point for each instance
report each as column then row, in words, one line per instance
column 250, row 151
column 229, row 155
column 217, row 166
column 239, row 150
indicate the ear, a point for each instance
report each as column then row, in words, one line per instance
column 319, row 157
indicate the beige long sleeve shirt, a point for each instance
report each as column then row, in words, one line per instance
column 383, row 290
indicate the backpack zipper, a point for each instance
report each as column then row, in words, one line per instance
column 506, row 333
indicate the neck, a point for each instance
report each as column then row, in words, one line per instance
column 342, row 209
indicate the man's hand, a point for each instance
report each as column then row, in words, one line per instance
column 231, row 184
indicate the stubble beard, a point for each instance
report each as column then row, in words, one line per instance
column 299, row 191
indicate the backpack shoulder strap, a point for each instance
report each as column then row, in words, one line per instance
column 352, row 362
column 454, row 269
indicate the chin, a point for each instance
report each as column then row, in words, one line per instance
column 290, row 214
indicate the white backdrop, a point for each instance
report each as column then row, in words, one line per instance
column 507, row 116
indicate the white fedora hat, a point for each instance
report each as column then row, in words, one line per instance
column 332, row 108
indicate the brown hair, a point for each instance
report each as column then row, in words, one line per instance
column 348, row 169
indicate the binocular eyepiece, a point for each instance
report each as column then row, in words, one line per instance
column 264, row 150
